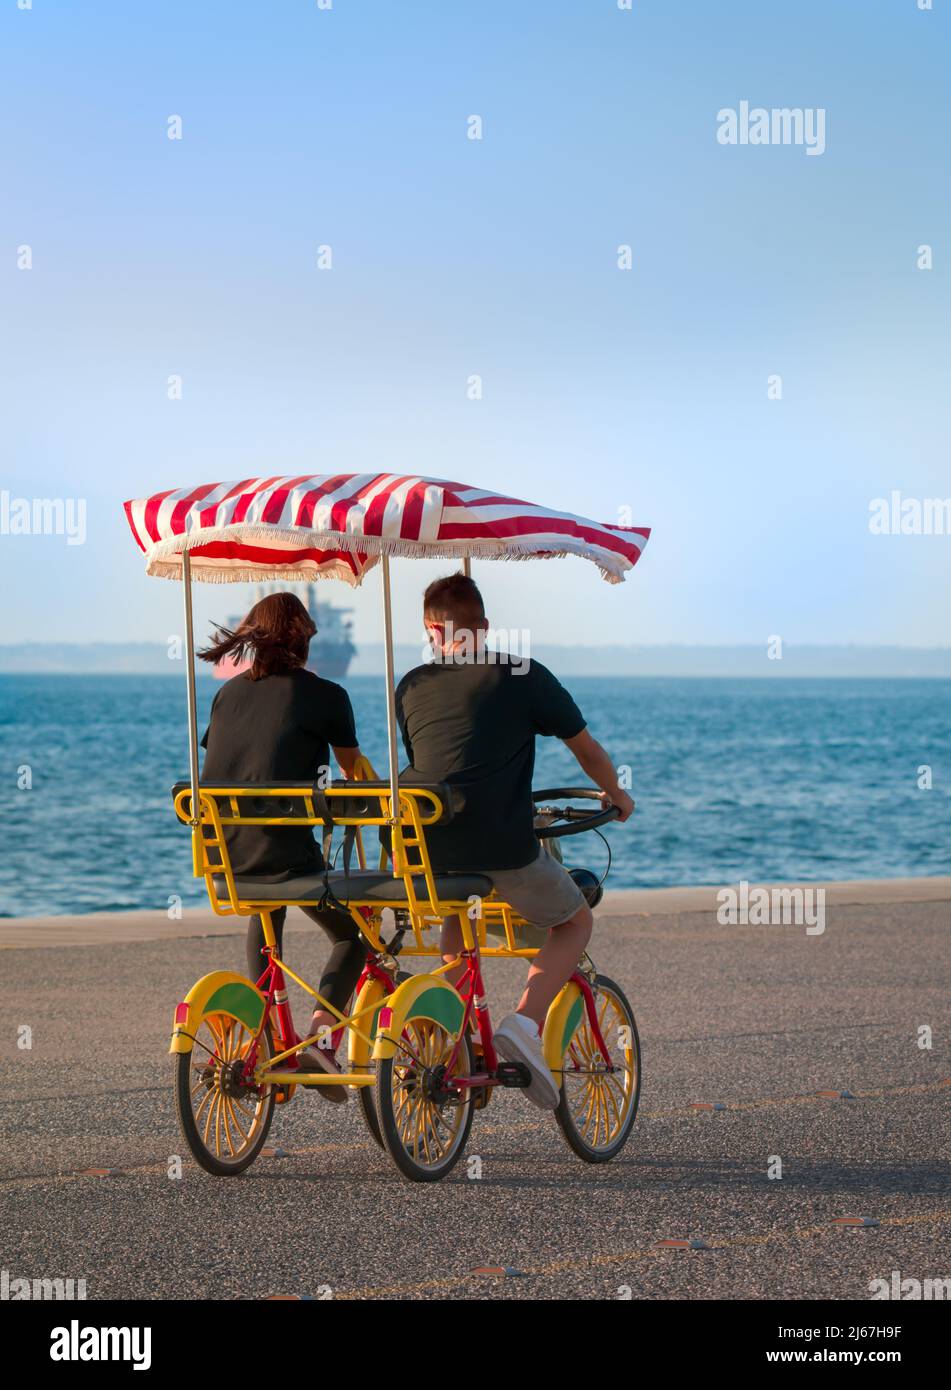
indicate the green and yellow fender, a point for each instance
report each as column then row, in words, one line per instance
column 360, row 1049
column 429, row 996
column 421, row 996
column 221, row 992
column 564, row 1018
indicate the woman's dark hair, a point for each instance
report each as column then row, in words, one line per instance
column 275, row 634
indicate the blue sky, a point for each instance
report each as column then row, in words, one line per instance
column 602, row 388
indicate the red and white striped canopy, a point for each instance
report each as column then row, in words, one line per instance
column 337, row 525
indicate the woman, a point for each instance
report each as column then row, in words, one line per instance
column 276, row 723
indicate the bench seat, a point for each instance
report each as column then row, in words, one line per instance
column 362, row 885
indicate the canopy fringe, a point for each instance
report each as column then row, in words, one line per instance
column 162, row 565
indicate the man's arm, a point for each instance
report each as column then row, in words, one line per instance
column 595, row 762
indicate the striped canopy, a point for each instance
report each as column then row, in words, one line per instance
column 337, row 525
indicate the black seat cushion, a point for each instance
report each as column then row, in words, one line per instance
column 362, row 885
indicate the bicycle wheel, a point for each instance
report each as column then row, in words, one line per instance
column 367, row 1102
column 597, row 1107
column 224, row 1122
column 424, row 1126
column 366, row 1096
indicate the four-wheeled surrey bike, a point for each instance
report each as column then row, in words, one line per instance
column 420, row 1051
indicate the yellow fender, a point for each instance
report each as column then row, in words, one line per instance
column 372, row 992
column 221, row 992
column 564, row 1016
column 422, row 996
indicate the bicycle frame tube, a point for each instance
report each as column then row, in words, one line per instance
column 472, row 990
column 372, row 970
column 272, row 984
column 471, row 987
column 588, row 997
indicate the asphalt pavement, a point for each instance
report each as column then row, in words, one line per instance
column 758, row 1020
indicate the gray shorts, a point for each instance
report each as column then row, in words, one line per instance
column 543, row 892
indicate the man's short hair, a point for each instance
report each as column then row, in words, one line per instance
column 455, row 599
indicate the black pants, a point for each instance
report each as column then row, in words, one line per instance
column 342, row 970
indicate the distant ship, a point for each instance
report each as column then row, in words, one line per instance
column 331, row 651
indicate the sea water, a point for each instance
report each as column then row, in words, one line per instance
column 734, row 780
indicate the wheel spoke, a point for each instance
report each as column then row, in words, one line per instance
column 428, row 1131
column 406, row 1124
column 242, row 1104
column 218, row 1124
column 228, row 1117
column 424, row 1130
column 610, row 1102
column 590, row 1109
column 233, row 1115
column 207, row 1099
column 601, row 1100
column 603, row 1117
column 226, row 1114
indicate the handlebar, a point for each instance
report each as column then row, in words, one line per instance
column 577, row 820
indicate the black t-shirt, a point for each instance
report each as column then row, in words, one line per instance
column 474, row 725
column 276, row 729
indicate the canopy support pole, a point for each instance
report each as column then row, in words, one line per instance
column 390, row 699
column 467, row 566
column 192, row 698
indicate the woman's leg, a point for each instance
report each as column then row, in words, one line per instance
column 255, row 941
column 450, row 948
column 342, row 970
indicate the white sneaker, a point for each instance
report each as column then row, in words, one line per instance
column 516, row 1039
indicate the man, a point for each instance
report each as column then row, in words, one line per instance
column 471, row 719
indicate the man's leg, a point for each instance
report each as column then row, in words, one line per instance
column 450, row 946
column 555, row 964
column 543, row 892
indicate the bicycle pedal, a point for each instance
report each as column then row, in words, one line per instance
column 513, row 1074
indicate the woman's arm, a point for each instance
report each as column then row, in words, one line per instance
column 346, row 760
